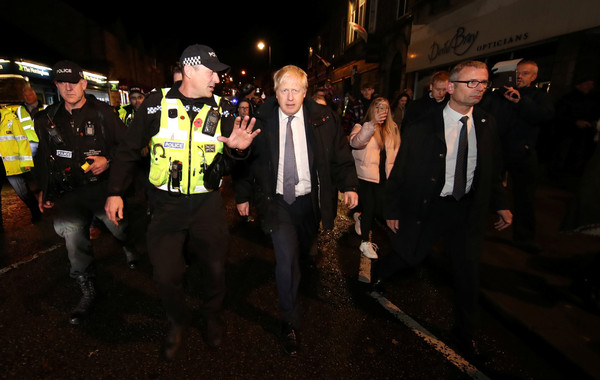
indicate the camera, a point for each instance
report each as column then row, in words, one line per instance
column 504, row 79
column 211, row 122
column 176, row 174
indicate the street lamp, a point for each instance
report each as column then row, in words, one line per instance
column 261, row 45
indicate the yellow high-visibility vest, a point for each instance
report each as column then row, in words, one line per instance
column 14, row 145
column 181, row 141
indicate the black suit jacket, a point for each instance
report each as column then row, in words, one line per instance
column 418, row 177
column 330, row 161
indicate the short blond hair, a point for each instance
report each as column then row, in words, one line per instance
column 290, row 71
column 462, row 65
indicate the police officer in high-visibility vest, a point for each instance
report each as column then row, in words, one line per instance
column 26, row 121
column 127, row 111
column 187, row 126
column 78, row 136
column 16, row 160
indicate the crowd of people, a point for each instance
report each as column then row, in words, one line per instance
column 429, row 169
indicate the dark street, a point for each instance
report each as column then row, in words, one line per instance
column 346, row 332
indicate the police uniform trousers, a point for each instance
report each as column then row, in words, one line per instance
column 292, row 237
column 448, row 222
column 73, row 214
column 195, row 223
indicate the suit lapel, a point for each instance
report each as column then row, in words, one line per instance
column 310, row 137
column 480, row 126
column 273, row 140
column 438, row 127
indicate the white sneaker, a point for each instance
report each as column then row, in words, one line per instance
column 357, row 222
column 368, row 249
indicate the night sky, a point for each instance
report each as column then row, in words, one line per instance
column 232, row 29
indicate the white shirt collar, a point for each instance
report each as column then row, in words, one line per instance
column 297, row 115
column 454, row 115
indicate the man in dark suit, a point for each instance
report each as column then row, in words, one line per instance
column 521, row 114
column 437, row 190
column 436, row 97
column 293, row 192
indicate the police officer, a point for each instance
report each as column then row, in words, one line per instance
column 78, row 136
column 16, row 160
column 127, row 112
column 186, row 125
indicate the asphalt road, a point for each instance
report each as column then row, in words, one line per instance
column 347, row 334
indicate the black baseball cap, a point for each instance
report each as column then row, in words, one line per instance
column 67, row 71
column 202, row 55
column 134, row 90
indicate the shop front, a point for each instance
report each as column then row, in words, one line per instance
column 557, row 35
column 16, row 74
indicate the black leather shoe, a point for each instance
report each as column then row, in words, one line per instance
column 289, row 340
column 215, row 330
column 377, row 287
column 173, row 342
column 132, row 265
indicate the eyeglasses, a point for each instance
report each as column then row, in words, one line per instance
column 475, row 83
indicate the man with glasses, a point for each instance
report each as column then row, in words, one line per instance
column 521, row 113
column 448, row 193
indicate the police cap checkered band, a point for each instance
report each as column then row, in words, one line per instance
column 202, row 55
column 192, row 61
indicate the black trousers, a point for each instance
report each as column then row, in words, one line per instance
column 371, row 197
column 448, row 221
column 198, row 220
column 296, row 230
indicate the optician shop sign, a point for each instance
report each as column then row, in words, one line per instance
column 464, row 42
column 520, row 22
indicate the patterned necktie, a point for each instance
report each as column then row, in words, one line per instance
column 290, row 172
column 460, row 174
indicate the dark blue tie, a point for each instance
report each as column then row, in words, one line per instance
column 460, row 174
column 290, row 172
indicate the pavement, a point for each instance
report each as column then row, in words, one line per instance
column 535, row 292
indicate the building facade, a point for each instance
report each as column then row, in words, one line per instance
column 399, row 44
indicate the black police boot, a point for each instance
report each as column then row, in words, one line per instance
column 289, row 339
column 86, row 302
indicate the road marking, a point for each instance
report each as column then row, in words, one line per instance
column 428, row 337
column 18, row 264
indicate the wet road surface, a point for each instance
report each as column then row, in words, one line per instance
column 346, row 334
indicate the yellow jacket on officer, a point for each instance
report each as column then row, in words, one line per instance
column 14, row 144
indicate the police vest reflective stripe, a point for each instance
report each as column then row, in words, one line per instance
column 180, row 141
column 26, row 122
column 125, row 117
column 14, row 146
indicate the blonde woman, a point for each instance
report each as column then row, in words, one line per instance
column 375, row 144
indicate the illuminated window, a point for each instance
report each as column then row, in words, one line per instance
column 357, row 10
